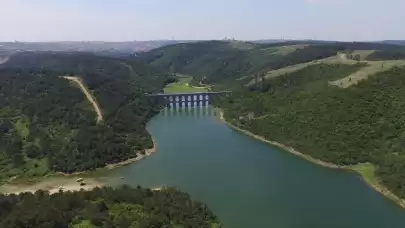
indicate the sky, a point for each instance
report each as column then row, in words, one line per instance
column 127, row 20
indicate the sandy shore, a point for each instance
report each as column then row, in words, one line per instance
column 375, row 185
column 68, row 182
column 53, row 185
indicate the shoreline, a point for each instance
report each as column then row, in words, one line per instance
column 53, row 185
column 375, row 184
column 53, row 182
column 139, row 156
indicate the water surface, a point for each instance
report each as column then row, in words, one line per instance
column 250, row 184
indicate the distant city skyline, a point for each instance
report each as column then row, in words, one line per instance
column 130, row 20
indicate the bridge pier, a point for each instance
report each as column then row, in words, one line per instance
column 187, row 99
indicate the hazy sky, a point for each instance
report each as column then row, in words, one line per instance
column 123, row 20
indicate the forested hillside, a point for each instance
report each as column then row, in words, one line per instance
column 47, row 124
column 234, row 62
column 391, row 54
column 358, row 124
column 105, row 207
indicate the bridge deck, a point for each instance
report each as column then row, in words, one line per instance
column 187, row 94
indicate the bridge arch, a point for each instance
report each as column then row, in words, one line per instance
column 185, row 99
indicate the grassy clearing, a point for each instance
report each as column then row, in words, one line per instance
column 22, row 127
column 285, row 50
column 297, row 67
column 241, row 45
column 35, row 168
column 372, row 68
column 362, row 53
column 182, row 86
column 367, row 171
column 30, row 171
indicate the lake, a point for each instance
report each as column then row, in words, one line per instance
column 248, row 183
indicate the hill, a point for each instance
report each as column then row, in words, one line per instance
column 374, row 61
column 105, row 207
column 216, row 62
column 98, row 47
column 362, row 123
column 398, row 42
column 235, row 62
column 47, row 124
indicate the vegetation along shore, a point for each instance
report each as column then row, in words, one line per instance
column 365, row 170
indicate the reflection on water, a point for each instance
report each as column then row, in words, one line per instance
column 189, row 104
column 190, row 111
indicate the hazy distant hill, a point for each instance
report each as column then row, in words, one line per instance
column 105, row 48
column 398, row 42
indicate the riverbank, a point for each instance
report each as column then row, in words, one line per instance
column 139, row 156
column 68, row 181
column 366, row 170
column 53, row 185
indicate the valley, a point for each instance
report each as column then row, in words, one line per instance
column 338, row 105
column 183, row 86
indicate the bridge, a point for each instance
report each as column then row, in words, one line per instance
column 187, row 99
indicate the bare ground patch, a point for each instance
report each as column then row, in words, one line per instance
column 372, row 68
column 290, row 69
column 284, row 50
column 363, row 54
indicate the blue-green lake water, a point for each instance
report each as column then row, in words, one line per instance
column 250, row 184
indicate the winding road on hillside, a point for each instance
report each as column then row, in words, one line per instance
column 88, row 96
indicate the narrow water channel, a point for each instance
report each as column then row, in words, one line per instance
column 249, row 184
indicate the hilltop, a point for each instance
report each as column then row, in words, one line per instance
column 374, row 61
column 49, row 124
column 235, row 62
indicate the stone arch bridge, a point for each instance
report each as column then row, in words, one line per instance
column 187, row 99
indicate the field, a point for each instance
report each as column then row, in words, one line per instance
column 362, row 53
column 372, row 67
column 182, row 86
column 367, row 171
column 284, row 50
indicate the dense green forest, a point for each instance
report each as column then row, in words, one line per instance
column 391, row 54
column 46, row 123
column 124, row 207
column 220, row 61
column 229, row 62
column 362, row 123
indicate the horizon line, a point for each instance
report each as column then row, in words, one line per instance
column 224, row 39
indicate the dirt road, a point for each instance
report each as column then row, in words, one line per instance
column 88, row 96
